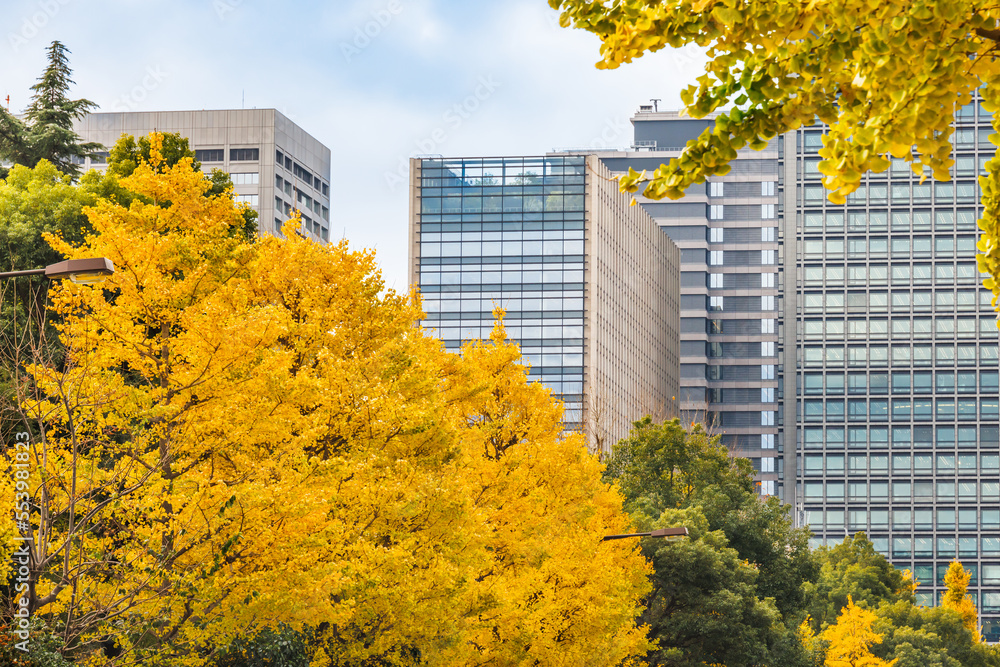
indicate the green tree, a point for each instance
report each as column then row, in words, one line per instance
column 919, row 636
column 128, row 153
column 663, row 466
column 853, row 570
column 729, row 594
column 46, row 133
column 885, row 77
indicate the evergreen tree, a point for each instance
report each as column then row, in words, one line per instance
column 46, row 132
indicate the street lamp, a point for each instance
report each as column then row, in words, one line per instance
column 81, row 271
column 668, row 533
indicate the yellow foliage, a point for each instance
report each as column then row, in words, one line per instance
column 254, row 431
column 885, row 77
column 850, row 638
column 956, row 597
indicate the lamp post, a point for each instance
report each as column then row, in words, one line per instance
column 667, row 533
column 81, row 271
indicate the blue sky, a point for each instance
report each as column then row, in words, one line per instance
column 375, row 80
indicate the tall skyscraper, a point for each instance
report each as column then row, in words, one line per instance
column 877, row 340
column 276, row 166
column 589, row 283
column 895, row 353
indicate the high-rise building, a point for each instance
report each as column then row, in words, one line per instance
column 730, row 234
column 895, row 365
column 589, row 283
column 275, row 165
column 878, row 364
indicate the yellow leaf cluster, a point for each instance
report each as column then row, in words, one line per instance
column 249, row 431
column 885, row 77
column 957, row 598
column 850, row 638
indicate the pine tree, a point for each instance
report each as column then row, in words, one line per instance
column 46, row 132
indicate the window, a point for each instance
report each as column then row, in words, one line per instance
column 767, row 441
column 715, row 212
column 715, row 189
column 767, row 348
column 715, row 303
column 715, row 280
column 767, row 279
column 715, row 234
column 247, row 199
column 767, row 372
column 209, row 155
column 767, row 395
column 244, row 154
column 767, row 211
column 767, row 257
column 767, row 326
column 768, row 234
column 715, row 257
column 767, row 302
column 245, row 179
column 767, row 417
column 767, row 189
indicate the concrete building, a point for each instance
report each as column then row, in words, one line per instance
column 276, row 166
column 731, row 239
column 590, row 284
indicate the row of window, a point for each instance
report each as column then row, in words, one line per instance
column 902, row 221
column 903, row 247
column 902, row 300
column 917, row 327
column 548, row 304
column 920, row 464
column 916, row 463
column 902, row 194
column 767, row 257
column 903, row 409
column 719, row 189
column 508, row 233
column 920, row 382
column 501, row 248
column 717, row 211
column 902, row 274
column 303, row 174
column 903, row 437
column 247, row 178
column 905, row 521
column 767, row 302
column 942, row 354
column 908, row 490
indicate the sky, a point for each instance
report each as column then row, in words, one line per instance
column 377, row 81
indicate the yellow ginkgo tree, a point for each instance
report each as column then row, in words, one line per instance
column 884, row 76
column 957, row 597
column 253, row 431
column 850, row 638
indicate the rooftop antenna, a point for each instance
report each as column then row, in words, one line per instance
column 243, row 103
column 655, row 102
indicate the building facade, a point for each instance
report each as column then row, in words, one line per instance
column 877, row 340
column 895, row 365
column 590, row 284
column 275, row 165
column 731, row 238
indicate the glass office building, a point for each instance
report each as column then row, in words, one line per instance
column 895, row 359
column 588, row 282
